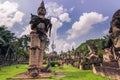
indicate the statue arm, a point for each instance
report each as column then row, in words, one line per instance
column 50, row 26
column 34, row 21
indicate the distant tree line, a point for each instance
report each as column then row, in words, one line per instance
column 98, row 43
column 82, row 49
column 12, row 49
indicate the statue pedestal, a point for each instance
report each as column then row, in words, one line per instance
column 33, row 71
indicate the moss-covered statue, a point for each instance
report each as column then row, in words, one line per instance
column 40, row 27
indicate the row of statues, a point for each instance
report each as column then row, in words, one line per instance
column 40, row 26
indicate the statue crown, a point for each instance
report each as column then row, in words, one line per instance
column 41, row 9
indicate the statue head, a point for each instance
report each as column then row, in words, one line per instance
column 116, row 14
column 116, row 19
column 41, row 10
column 115, row 29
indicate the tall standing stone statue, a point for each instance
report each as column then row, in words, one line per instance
column 38, row 37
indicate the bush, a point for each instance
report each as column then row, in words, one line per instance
column 100, row 53
column 53, row 63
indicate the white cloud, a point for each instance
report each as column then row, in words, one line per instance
column 9, row 14
column 105, row 32
column 26, row 31
column 85, row 23
column 58, row 15
column 56, row 24
column 64, row 17
column 62, row 45
column 54, row 10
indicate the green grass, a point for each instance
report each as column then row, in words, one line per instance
column 77, row 74
column 71, row 73
column 10, row 71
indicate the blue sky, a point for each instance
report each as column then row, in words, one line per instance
column 74, row 21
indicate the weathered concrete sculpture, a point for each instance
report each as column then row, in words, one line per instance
column 107, row 56
column 114, row 40
column 38, row 36
column 111, row 65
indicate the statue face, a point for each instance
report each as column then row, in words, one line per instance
column 41, row 11
column 117, row 22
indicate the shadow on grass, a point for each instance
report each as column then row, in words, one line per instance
column 14, row 79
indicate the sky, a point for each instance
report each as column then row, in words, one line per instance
column 74, row 21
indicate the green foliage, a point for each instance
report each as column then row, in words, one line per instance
column 6, row 36
column 100, row 53
column 45, row 55
column 53, row 63
column 13, row 48
column 98, row 43
column 76, row 63
column 83, row 47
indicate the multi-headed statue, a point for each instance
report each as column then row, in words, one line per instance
column 40, row 27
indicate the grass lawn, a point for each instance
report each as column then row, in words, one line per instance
column 71, row 73
column 10, row 71
column 77, row 74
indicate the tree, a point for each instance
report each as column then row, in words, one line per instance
column 12, row 49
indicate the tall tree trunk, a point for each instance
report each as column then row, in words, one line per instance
column 7, row 56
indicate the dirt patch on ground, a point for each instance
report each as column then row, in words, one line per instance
column 43, row 76
column 59, row 74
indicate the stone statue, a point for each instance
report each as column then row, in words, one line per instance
column 40, row 27
column 114, row 39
